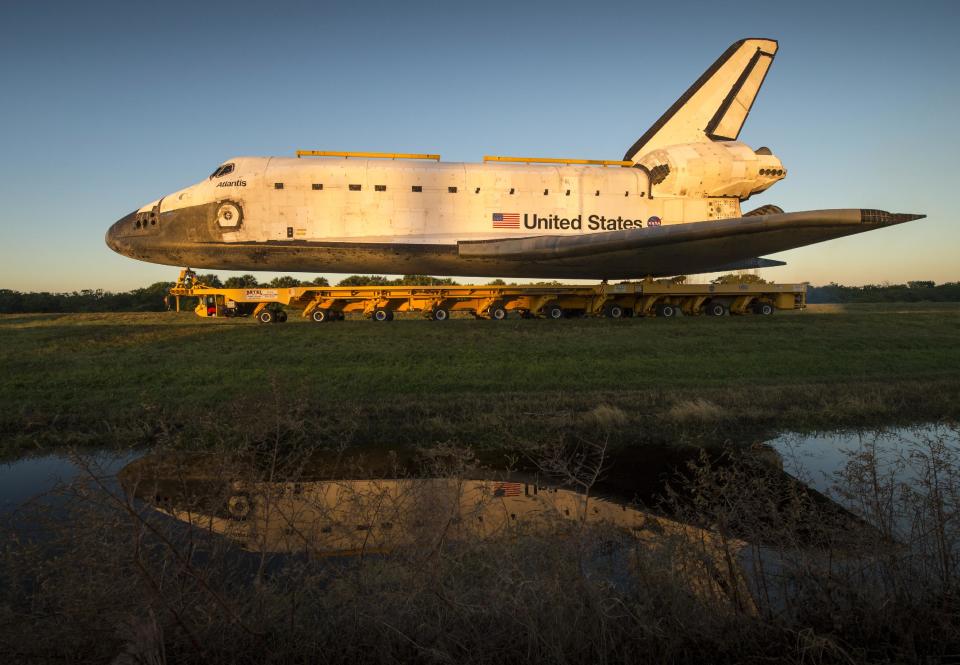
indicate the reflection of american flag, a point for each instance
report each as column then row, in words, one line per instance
column 506, row 489
column 506, row 220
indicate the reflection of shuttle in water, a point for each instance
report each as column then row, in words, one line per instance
column 345, row 517
column 671, row 206
column 348, row 516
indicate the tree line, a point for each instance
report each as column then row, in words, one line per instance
column 914, row 291
column 151, row 298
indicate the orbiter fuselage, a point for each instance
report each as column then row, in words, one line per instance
column 672, row 206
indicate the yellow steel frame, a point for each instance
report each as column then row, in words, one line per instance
column 367, row 155
column 556, row 160
column 641, row 297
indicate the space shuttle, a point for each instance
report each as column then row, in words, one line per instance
column 345, row 517
column 673, row 205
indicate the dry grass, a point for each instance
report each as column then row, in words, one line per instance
column 826, row 308
column 606, row 417
column 696, row 410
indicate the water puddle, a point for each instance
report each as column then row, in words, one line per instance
column 817, row 458
column 380, row 500
column 225, row 543
column 39, row 478
column 344, row 516
column 884, row 476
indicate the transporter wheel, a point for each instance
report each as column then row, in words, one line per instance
column 281, row 316
column 554, row 312
column 614, row 312
column 266, row 316
column 498, row 313
column 666, row 311
column 320, row 316
column 764, row 309
column 717, row 309
column 440, row 314
column 381, row 314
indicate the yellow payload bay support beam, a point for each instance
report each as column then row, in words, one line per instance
column 369, row 155
column 556, row 160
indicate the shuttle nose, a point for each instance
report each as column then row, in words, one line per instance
column 120, row 228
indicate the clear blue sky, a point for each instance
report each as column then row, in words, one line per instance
column 105, row 106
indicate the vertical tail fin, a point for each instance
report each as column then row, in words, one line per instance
column 715, row 107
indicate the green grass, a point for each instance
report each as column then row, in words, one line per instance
column 90, row 378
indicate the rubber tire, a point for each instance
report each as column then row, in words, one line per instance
column 554, row 312
column 320, row 316
column 764, row 309
column 497, row 314
column 716, row 309
column 666, row 311
column 615, row 312
column 440, row 314
column 266, row 316
column 382, row 315
column 281, row 316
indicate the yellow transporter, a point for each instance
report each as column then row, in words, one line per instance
column 380, row 303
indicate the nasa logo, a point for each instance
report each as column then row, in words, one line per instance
column 232, row 183
column 653, row 221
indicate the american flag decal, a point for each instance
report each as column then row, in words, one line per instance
column 506, row 489
column 506, row 220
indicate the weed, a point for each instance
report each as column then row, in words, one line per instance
column 761, row 572
column 695, row 410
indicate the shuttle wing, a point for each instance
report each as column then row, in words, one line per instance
column 725, row 242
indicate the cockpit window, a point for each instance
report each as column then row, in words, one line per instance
column 222, row 171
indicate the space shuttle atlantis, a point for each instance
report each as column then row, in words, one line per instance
column 671, row 206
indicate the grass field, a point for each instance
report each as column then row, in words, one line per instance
column 131, row 378
column 590, row 403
